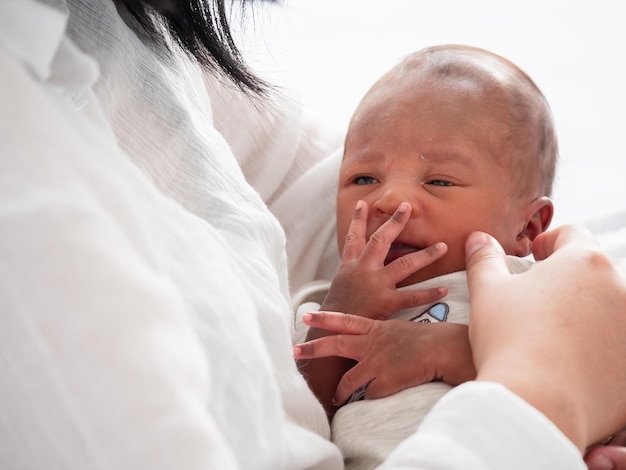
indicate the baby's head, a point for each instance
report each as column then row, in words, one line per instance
column 466, row 138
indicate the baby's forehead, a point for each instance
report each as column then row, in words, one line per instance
column 475, row 83
column 470, row 104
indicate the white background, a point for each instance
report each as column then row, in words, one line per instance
column 331, row 52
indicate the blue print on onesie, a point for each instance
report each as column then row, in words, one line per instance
column 434, row 314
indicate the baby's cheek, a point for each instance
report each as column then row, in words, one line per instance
column 453, row 260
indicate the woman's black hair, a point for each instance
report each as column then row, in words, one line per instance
column 201, row 29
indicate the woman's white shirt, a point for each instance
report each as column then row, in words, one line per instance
column 125, row 311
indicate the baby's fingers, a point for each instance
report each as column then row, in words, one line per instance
column 347, row 346
column 416, row 298
column 355, row 239
column 352, row 381
column 351, row 342
column 410, row 263
column 380, row 241
column 339, row 322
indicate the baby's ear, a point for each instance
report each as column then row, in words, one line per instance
column 538, row 215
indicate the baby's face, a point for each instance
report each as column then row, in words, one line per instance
column 436, row 149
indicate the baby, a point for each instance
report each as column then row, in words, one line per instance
column 467, row 140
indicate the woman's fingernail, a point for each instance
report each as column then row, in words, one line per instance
column 475, row 242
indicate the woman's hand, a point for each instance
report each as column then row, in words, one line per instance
column 554, row 335
column 364, row 285
column 392, row 355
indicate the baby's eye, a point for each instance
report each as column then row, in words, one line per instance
column 365, row 180
column 440, row 183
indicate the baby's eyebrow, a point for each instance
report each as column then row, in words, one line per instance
column 364, row 157
column 360, row 162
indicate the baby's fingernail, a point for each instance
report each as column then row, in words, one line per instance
column 358, row 208
column 600, row 462
column 403, row 207
column 436, row 248
column 297, row 351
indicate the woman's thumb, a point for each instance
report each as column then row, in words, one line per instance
column 485, row 261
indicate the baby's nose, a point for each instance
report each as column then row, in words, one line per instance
column 391, row 197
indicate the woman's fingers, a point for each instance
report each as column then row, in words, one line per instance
column 486, row 265
column 545, row 244
column 569, row 308
column 485, row 257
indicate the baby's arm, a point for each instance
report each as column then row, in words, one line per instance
column 392, row 355
column 364, row 286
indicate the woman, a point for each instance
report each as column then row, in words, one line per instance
column 145, row 299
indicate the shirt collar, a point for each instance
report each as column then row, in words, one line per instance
column 32, row 31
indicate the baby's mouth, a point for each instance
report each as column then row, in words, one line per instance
column 398, row 250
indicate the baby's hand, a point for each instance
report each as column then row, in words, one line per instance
column 363, row 285
column 392, row 355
